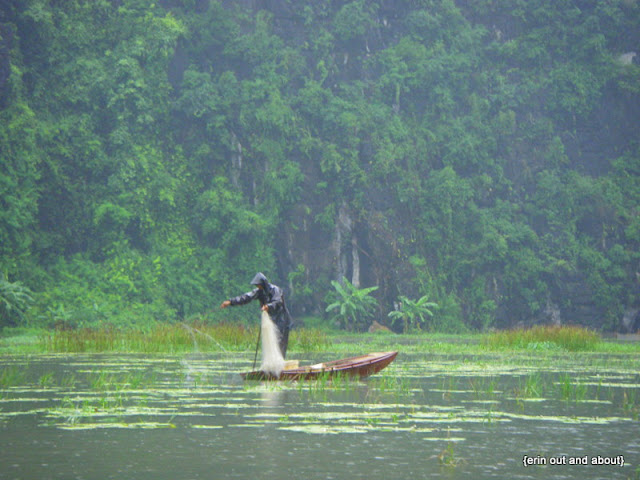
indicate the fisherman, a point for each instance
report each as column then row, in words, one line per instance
column 271, row 300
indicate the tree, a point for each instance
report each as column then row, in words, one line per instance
column 159, row 151
column 352, row 305
column 413, row 313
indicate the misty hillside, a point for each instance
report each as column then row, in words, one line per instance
column 484, row 154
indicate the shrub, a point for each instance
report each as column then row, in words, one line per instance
column 15, row 298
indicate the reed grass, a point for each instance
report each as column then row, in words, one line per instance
column 533, row 386
column 241, row 338
column 11, row 377
column 631, row 404
column 571, row 390
column 165, row 338
column 449, row 458
column 570, row 338
column 171, row 338
column 308, row 340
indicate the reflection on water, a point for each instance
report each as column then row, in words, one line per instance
column 131, row 416
column 272, row 398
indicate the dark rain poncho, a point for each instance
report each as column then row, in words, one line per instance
column 273, row 297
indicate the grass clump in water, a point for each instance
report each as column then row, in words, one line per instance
column 11, row 377
column 449, row 458
column 169, row 338
column 308, row 340
column 571, row 390
column 545, row 337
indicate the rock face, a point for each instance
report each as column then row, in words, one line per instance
column 627, row 58
column 579, row 306
column 6, row 38
column 341, row 243
column 631, row 320
column 377, row 327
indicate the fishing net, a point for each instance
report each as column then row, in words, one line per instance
column 272, row 360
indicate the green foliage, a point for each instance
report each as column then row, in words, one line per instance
column 449, row 318
column 19, row 174
column 353, row 20
column 15, row 298
column 224, row 221
column 170, row 338
column 413, row 313
column 158, row 338
column 11, row 377
column 299, row 281
column 352, row 306
column 570, row 338
column 156, row 155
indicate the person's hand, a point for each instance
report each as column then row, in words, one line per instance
column 265, row 308
column 225, row 304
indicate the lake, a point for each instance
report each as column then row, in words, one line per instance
column 449, row 416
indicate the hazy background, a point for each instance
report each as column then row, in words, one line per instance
column 154, row 156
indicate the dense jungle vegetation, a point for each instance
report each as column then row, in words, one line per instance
column 481, row 155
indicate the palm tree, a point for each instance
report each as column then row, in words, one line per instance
column 413, row 313
column 352, row 305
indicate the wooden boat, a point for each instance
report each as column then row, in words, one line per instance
column 361, row 366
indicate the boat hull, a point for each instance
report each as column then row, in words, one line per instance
column 361, row 366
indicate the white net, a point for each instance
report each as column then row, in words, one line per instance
column 272, row 361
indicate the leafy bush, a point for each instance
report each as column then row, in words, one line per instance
column 352, row 306
column 413, row 314
column 15, row 298
column 123, row 291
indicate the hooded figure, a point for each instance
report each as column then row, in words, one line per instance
column 271, row 300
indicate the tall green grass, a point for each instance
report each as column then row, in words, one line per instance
column 170, row 338
column 545, row 337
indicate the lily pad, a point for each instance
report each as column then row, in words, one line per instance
column 95, row 426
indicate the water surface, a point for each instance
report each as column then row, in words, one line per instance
column 425, row 416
